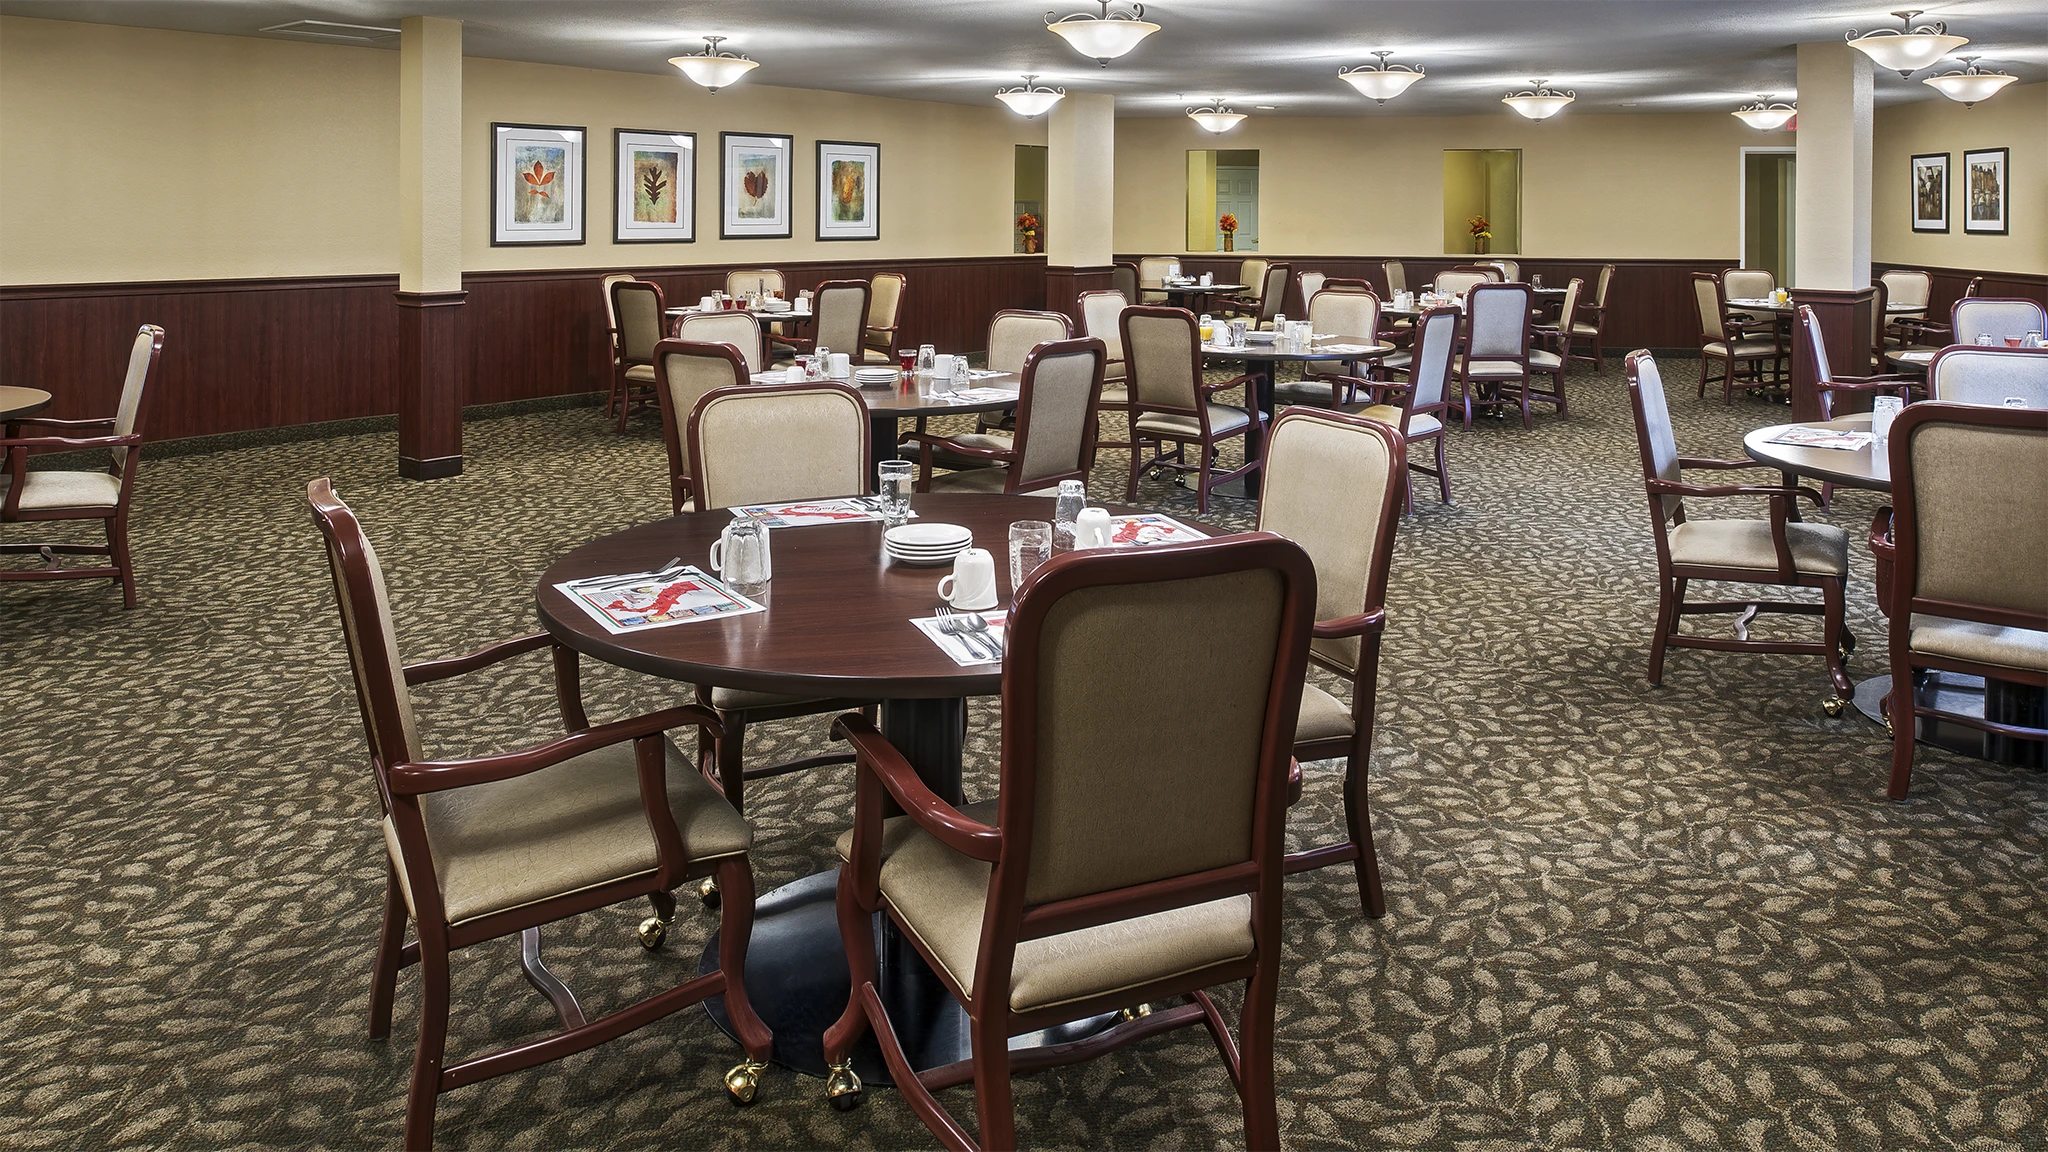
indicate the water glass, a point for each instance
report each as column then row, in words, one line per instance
column 1883, row 410
column 1030, row 546
column 1072, row 498
column 927, row 358
column 893, row 484
column 1984, row 338
column 740, row 555
column 1237, row 331
column 2034, row 340
column 821, row 358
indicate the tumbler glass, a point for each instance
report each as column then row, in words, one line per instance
column 1030, row 546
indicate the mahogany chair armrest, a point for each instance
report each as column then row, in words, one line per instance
column 1922, row 326
column 424, row 776
column 1870, row 383
column 1234, row 381
column 1595, row 309
column 428, row 671
column 1345, row 627
column 1674, row 488
column 52, row 422
column 1881, row 534
column 1717, row 465
column 873, row 754
column 73, row 442
column 952, row 445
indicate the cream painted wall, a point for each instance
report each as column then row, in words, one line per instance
column 947, row 169
column 1632, row 186
column 143, row 155
column 2016, row 118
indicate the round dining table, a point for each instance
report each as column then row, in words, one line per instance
column 1199, row 297
column 837, row 625
column 1260, row 361
column 1870, row 467
column 18, row 403
column 915, row 395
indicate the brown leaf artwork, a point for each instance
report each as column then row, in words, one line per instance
column 755, row 182
column 654, row 185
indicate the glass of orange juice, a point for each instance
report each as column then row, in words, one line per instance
column 1208, row 329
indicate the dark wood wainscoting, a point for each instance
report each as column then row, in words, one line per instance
column 246, row 354
column 1650, row 303
column 1949, row 284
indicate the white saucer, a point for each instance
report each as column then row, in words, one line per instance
column 920, row 536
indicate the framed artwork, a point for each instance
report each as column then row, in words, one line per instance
column 1930, row 192
column 1984, row 191
column 849, row 190
column 753, row 182
column 537, row 184
column 654, row 187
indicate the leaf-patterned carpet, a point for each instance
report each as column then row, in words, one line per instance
column 1676, row 918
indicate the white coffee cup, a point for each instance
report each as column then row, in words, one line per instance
column 841, row 365
column 1092, row 528
column 707, row 304
column 972, row 583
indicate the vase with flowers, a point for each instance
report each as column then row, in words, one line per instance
column 1228, row 224
column 1027, row 227
column 1481, row 233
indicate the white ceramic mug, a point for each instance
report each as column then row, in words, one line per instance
column 841, row 365
column 972, row 583
column 740, row 554
column 1092, row 528
column 707, row 304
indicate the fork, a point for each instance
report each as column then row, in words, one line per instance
column 955, row 624
column 978, row 624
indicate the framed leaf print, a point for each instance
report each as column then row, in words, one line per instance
column 537, row 184
column 1930, row 192
column 849, row 190
column 753, row 182
column 654, row 186
column 1984, row 191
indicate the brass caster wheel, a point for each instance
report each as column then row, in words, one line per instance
column 707, row 892
column 743, row 1081
column 1138, row 1013
column 653, row 931
column 842, row 1087
column 1833, row 705
column 1889, row 733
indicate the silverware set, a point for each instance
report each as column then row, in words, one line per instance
column 972, row 629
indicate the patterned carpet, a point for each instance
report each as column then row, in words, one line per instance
column 1622, row 917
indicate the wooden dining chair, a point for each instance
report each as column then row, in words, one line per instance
column 1330, row 485
column 1123, row 278
column 1993, row 377
column 1419, row 408
column 1830, row 389
column 1457, row 282
column 1927, row 335
column 1966, row 545
column 1102, row 317
column 885, row 311
column 1307, row 284
column 1171, row 403
column 643, row 317
column 1909, row 291
column 1750, row 284
column 1012, row 334
column 1781, row 551
column 741, row 281
column 840, row 311
column 1270, row 302
column 1491, row 273
column 738, row 329
column 484, row 847
column 1251, row 272
column 1497, row 357
column 1396, row 274
column 1993, row 316
column 1734, row 339
column 1342, row 311
column 1591, row 321
column 106, row 494
column 1133, row 854
column 1055, row 436
column 685, row 372
column 611, row 319
column 1152, row 274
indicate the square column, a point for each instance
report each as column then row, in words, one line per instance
column 1080, row 199
column 1832, row 213
column 431, row 351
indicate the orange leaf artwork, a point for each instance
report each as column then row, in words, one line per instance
column 538, row 179
column 755, row 182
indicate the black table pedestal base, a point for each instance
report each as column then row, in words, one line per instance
column 1966, row 696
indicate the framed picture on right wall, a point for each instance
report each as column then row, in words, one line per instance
column 1930, row 192
column 1985, row 199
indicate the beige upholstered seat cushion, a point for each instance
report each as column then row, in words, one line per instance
column 884, row 356
column 1493, row 370
column 1544, row 359
column 739, row 700
column 1223, row 419
column 982, row 480
column 1817, row 549
column 1323, row 716
column 1421, row 425
column 1581, row 328
column 1398, row 361
column 946, row 458
column 1982, row 643
column 641, row 373
column 1744, row 349
column 1316, row 392
column 939, row 895
column 563, row 829
column 47, row 491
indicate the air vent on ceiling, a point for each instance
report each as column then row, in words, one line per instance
column 329, row 30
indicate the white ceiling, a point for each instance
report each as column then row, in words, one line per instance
column 1619, row 55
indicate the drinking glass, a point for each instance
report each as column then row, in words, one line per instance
column 1237, row 330
column 1072, row 498
column 822, row 362
column 927, row 356
column 906, row 358
column 1984, row 338
column 2033, row 340
column 740, row 555
column 1883, row 410
column 894, row 487
column 1208, row 327
column 1030, row 546
column 2012, row 342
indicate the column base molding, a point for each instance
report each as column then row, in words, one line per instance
column 432, row 354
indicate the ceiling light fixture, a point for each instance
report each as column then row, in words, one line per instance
column 1217, row 117
column 1969, row 85
column 1764, row 114
column 1381, row 81
column 1103, row 37
column 1028, row 99
column 1540, row 102
column 1909, row 49
column 712, row 68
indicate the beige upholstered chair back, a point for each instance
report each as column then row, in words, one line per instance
column 1600, row 285
column 1326, row 489
column 778, row 442
column 1397, row 276
column 141, row 359
column 1251, row 272
column 1806, row 326
column 611, row 314
column 1706, row 294
column 1659, row 447
column 741, row 281
column 1053, row 425
column 366, row 624
column 1498, row 316
column 638, row 304
column 691, row 369
column 1990, row 377
column 1152, row 274
column 885, row 300
column 1436, row 338
column 1880, row 304
column 1458, row 283
column 1311, row 283
column 1100, row 312
column 1163, row 782
column 1993, row 317
column 1509, row 269
column 1015, row 332
column 1345, row 314
column 738, row 329
column 1748, row 283
column 1570, row 307
column 1124, row 279
column 842, row 309
column 1273, row 296
column 1160, row 358
column 1976, row 499
column 1908, row 289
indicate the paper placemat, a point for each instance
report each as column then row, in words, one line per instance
column 963, row 653
column 1149, row 529
column 1823, row 438
column 804, row 513
column 642, row 600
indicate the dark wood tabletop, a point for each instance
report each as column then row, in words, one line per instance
column 1867, row 467
column 1198, row 289
column 18, row 403
column 913, row 396
column 1319, row 350
column 838, row 618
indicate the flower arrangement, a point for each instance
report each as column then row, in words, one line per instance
column 1481, row 230
column 1227, row 222
column 1027, row 223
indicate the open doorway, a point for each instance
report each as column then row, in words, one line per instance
column 1769, row 183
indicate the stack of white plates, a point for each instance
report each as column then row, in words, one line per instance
column 774, row 305
column 874, row 377
column 926, row 544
